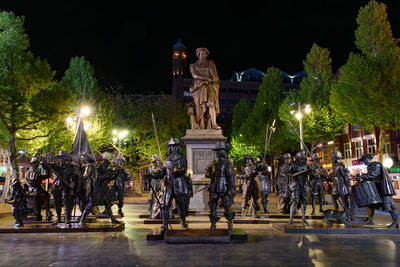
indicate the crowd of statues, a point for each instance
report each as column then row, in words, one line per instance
column 298, row 179
column 77, row 181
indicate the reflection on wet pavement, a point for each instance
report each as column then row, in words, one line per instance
column 266, row 246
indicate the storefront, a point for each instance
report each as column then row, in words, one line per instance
column 395, row 175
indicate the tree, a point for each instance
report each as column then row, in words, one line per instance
column 366, row 92
column 134, row 112
column 30, row 99
column 270, row 95
column 81, row 82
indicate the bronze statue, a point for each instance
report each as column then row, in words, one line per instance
column 378, row 174
column 41, row 197
column 250, row 187
column 177, row 184
column 283, row 185
column 205, row 90
column 222, row 186
column 18, row 200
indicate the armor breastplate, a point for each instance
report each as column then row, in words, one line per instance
column 264, row 183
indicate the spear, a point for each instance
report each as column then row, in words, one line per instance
column 155, row 132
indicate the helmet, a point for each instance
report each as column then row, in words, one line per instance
column 301, row 156
column 220, row 146
column 154, row 158
column 316, row 156
column 34, row 159
column 246, row 157
column 173, row 142
column 287, row 156
column 366, row 158
column 336, row 155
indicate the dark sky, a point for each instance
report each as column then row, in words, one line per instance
column 133, row 45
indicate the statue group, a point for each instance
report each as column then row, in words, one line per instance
column 79, row 182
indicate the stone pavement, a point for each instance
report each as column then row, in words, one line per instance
column 266, row 246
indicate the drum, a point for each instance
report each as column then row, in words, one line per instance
column 365, row 194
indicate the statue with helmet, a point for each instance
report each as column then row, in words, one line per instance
column 250, row 187
column 98, row 196
column 118, row 188
column 378, row 176
column 316, row 184
column 298, row 172
column 176, row 185
column 222, row 185
column 264, row 177
column 341, row 182
column 89, row 176
column 154, row 174
column 34, row 178
column 18, row 201
column 282, row 180
column 65, row 186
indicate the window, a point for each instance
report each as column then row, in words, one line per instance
column 347, row 151
column 371, row 147
column 355, row 128
column 359, row 149
column 387, row 148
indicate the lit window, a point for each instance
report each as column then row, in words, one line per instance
column 183, row 55
column 359, row 149
column 347, row 151
column 176, row 54
column 371, row 147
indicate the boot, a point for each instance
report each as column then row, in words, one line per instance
column 165, row 217
column 49, row 216
column 244, row 211
column 292, row 212
column 303, row 215
column 370, row 219
column 313, row 212
column 230, row 226
column 214, row 219
column 395, row 218
column 256, row 214
column 120, row 205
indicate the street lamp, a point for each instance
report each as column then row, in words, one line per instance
column 299, row 117
column 119, row 135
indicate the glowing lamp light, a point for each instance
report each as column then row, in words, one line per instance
column 115, row 139
column 115, row 132
column 307, row 109
column 85, row 111
column 330, row 143
column 70, row 121
column 298, row 115
column 387, row 163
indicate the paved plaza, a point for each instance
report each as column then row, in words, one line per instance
column 266, row 246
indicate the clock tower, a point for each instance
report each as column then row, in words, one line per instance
column 178, row 68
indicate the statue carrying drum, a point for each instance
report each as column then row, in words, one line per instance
column 375, row 190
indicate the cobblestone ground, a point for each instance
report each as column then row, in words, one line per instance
column 266, row 246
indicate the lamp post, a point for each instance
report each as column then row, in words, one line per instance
column 299, row 116
column 119, row 135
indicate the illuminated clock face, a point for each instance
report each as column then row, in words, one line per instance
column 183, row 55
column 176, row 54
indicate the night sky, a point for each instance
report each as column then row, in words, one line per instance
column 132, row 46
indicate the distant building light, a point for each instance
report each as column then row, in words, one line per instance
column 330, row 143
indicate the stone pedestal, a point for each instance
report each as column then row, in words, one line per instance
column 199, row 144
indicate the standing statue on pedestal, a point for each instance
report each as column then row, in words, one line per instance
column 264, row 175
column 65, row 186
column 88, row 178
column 99, row 194
column 177, row 184
column 222, row 186
column 282, row 180
column 341, row 182
column 34, row 180
column 250, row 187
column 154, row 174
column 316, row 186
column 298, row 179
column 378, row 174
column 121, row 177
column 18, row 201
column 205, row 90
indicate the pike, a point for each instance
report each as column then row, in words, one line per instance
column 155, row 132
column 268, row 137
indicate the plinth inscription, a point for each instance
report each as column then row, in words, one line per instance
column 202, row 158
